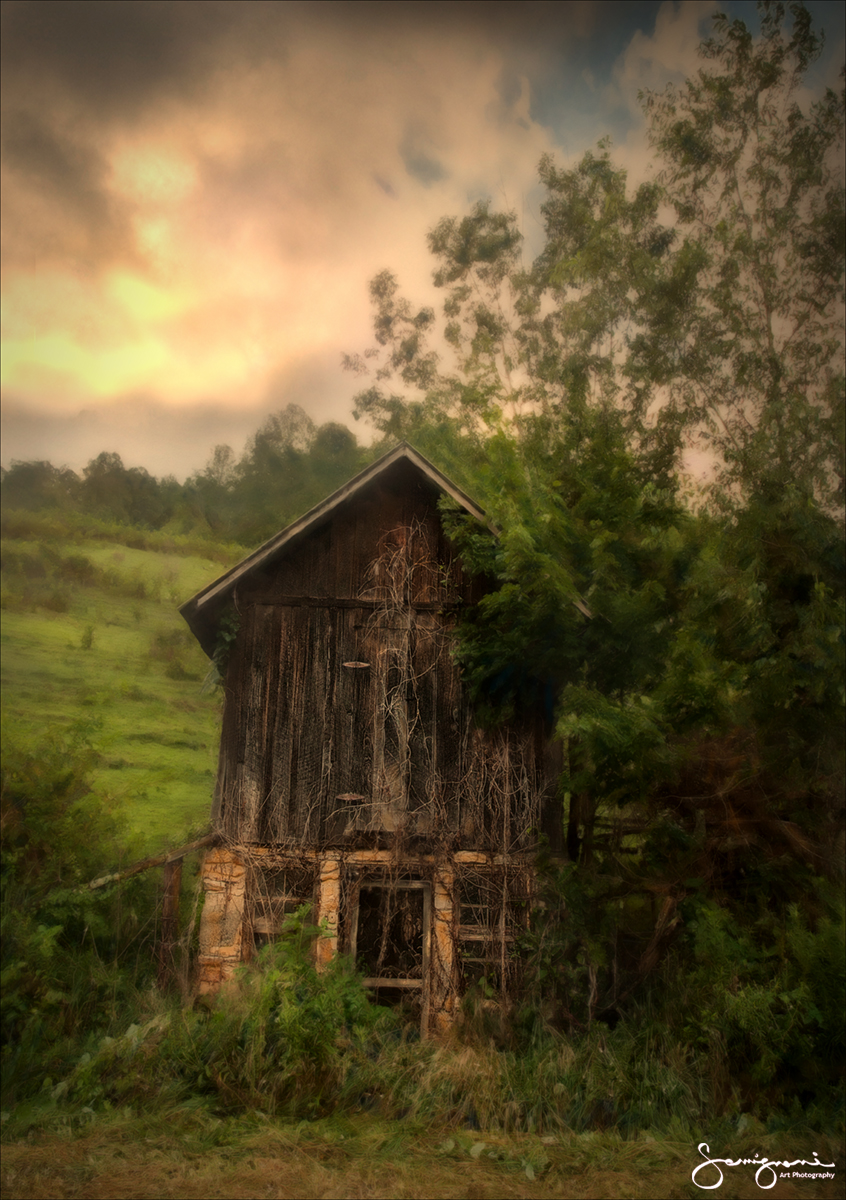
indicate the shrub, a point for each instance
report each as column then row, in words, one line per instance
column 57, row 601
column 284, row 1037
column 281, row 1038
column 771, row 997
column 63, row 945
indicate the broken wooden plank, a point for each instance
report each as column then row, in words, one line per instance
column 157, row 860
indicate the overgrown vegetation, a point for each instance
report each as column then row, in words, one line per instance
column 741, row 1019
column 72, row 958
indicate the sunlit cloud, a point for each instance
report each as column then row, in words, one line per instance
column 192, row 213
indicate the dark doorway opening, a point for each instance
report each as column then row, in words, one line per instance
column 391, row 944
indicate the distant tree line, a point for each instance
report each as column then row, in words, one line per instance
column 287, row 466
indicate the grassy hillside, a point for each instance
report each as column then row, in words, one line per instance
column 92, row 636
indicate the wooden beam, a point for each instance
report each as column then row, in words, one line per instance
column 384, row 981
column 157, row 860
column 333, row 602
column 170, row 919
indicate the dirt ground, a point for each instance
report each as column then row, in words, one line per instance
column 122, row 1164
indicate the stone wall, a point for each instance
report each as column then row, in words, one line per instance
column 222, row 922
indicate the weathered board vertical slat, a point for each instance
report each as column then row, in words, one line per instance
column 351, row 778
column 310, row 686
column 271, row 625
column 328, row 757
column 254, row 717
column 232, row 734
column 302, row 722
column 277, row 826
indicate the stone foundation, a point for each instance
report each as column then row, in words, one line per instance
column 222, row 922
column 226, row 940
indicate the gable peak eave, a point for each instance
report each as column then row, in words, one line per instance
column 201, row 612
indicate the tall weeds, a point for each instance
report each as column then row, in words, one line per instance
column 71, row 958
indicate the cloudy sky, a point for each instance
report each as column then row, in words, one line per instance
column 195, row 195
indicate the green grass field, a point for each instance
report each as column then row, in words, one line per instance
column 91, row 635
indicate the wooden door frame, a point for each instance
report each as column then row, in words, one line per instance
column 375, row 982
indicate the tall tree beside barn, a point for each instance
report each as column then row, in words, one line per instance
column 685, row 654
column 752, row 350
column 753, row 359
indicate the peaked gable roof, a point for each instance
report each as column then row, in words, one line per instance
column 203, row 610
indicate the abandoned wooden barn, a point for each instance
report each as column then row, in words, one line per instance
column 351, row 771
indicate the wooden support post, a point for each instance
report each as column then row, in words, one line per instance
column 328, row 906
column 222, row 924
column 172, row 881
column 442, row 991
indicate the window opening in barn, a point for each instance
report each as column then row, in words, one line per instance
column 277, row 893
column 493, row 912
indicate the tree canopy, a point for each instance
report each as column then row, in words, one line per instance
column 753, row 170
column 288, row 465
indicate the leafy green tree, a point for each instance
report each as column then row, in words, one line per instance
column 220, row 469
column 521, row 344
column 287, row 466
column 334, row 458
column 747, row 329
column 129, row 495
column 533, row 351
column 726, row 327
column 289, row 429
column 208, row 493
column 272, row 474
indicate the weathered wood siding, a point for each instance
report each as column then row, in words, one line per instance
column 332, row 561
column 344, row 717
